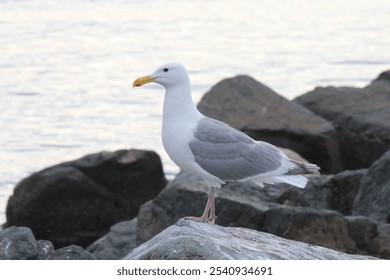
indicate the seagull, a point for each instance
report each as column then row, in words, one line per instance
column 213, row 150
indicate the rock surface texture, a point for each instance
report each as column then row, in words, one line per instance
column 188, row 240
column 373, row 199
column 76, row 202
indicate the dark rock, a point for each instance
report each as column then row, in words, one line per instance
column 188, row 240
column 371, row 237
column 257, row 110
column 76, row 202
column 117, row 243
column 352, row 234
column 19, row 243
column 315, row 226
column 72, row 252
column 333, row 192
column 358, row 116
column 374, row 194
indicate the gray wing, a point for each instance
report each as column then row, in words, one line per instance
column 230, row 154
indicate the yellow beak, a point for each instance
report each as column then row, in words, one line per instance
column 143, row 80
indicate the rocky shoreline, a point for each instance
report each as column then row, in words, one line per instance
column 107, row 204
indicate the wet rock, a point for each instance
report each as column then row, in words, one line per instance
column 76, row 202
column 117, row 243
column 19, row 243
column 257, row 110
column 72, row 252
column 374, row 194
column 188, row 240
column 358, row 116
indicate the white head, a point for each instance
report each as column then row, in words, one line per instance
column 167, row 75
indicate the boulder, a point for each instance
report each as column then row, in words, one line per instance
column 188, row 240
column 19, row 243
column 117, row 243
column 359, row 117
column 257, row 110
column 315, row 226
column 374, row 194
column 76, row 202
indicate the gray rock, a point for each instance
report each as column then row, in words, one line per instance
column 260, row 112
column 19, row 243
column 374, row 194
column 117, row 243
column 188, row 240
column 76, row 202
column 72, row 252
column 358, row 116
column 45, row 250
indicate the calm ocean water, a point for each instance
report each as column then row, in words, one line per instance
column 66, row 67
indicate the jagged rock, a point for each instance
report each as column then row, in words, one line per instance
column 359, row 117
column 374, row 194
column 19, row 243
column 76, row 202
column 45, row 250
column 72, row 252
column 188, row 240
column 260, row 112
column 117, row 243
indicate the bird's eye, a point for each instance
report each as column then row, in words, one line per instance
column 165, row 69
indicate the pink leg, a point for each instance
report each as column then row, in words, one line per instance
column 208, row 215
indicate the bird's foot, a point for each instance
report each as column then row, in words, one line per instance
column 208, row 215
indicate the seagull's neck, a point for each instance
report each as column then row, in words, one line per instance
column 178, row 104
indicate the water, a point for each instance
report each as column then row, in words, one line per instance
column 66, row 67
